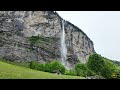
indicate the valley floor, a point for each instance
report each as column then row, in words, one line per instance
column 9, row 71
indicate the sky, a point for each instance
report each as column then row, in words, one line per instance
column 102, row 27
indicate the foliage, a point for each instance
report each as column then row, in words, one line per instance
column 108, row 69
column 81, row 69
column 117, row 72
column 90, row 72
column 9, row 71
column 37, row 66
column 48, row 67
column 33, row 64
column 116, row 62
column 55, row 65
column 96, row 63
column 101, row 66
column 34, row 39
column 73, row 72
column 67, row 72
column 38, row 39
column 40, row 67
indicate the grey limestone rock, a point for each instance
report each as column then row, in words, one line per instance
column 18, row 27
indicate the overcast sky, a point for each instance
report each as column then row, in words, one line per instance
column 102, row 27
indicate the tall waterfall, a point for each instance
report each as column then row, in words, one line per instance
column 63, row 47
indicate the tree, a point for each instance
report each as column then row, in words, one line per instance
column 101, row 66
column 55, row 65
column 47, row 67
column 32, row 64
column 108, row 69
column 81, row 69
column 96, row 63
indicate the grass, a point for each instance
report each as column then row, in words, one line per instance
column 9, row 71
column 23, row 64
column 41, row 39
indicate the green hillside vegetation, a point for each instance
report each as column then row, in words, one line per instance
column 48, row 67
column 9, row 71
column 116, row 62
column 103, row 66
column 96, row 66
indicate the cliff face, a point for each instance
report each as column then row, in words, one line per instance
column 35, row 35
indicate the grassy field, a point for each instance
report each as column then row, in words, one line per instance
column 9, row 71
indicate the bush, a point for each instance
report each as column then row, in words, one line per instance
column 101, row 66
column 96, row 63
column 55, row 65
column 108, row 69
column 34, row 39
column 67, row 72
column 81, row 69
column 73, row 72
column 32, row 64
column 40, row 67
column 117, row 72
column 90, row 72
column 36, row 66
column 47, row 67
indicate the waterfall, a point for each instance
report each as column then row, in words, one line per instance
column 63, row 47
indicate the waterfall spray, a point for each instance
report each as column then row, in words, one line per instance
column 63, row 47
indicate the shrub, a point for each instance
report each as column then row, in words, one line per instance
column 70, row 72
column 67, row 72
column 32, row 64
column 90, row 72
column 108, row 69
column 73, row 72
column 40, row 67
column 36, row 66
column 96, row 63
column 47, row 67
column 101, row 66
column 34, row 39
column 81, row 69
column 117, row 72
column 55, row 65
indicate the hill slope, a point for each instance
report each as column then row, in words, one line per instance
column 8, row 71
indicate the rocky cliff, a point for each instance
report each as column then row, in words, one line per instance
column 35, row 35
